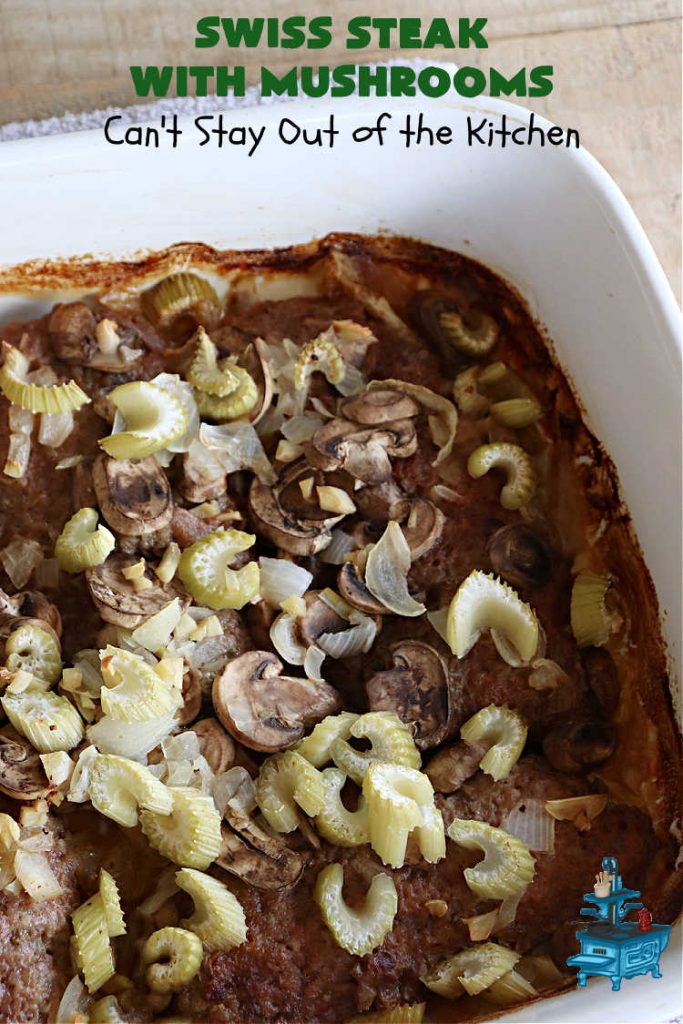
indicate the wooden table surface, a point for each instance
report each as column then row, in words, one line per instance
column 617, row 70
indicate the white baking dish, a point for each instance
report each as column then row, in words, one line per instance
column 551, row 221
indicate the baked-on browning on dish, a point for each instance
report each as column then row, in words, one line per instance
column 330, row 664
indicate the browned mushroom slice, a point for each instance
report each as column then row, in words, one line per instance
column 119, row 602
column 353, row 590
column 295, row 535
column 424, row 527
column 267, row 711
column 319, row 618
column 134, row 495
column 579, row 743
column 602, row 677
column 520, row 556
column 365, row 452
column 374, row 407
column 259, row 859
column 33, row 605
column 382, row 502
column 71, row 330
column 454, row 765
column 21, row 772
column 215, row 745
column 416, row 688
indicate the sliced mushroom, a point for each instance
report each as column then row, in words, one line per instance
column 31, row 604
column 416, row 688
column 319, row 618
column 288, row 531
column 71, row 330
column 119, row 602
column 520, row 556
column 134, row 495
column 454, row 765
column 578, row 744
column 215, row 745
column 363, row 451
column 21, row 771
column 267, row 711
column 424, row 527
column 603, row 678
column 118, row 346
column 208, row 657
column 374, row 407
column 259, row 859
column 382, row 502
column 353, row 589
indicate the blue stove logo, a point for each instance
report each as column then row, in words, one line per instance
column 612, row 947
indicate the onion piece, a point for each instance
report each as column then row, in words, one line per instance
column 313, row 664
column 55, row 428
column 386, row 573
column 281, row 579
column 20, row 558
column 339, row 547
column 350, row 642
column 18, row 455
column 481, row 926
column 530, row 822
column 301, row 428
column 438, row 621
column 580, row 810
column 36, row 876
column 74, row 1004
column 80, row 780
column 130, row 739
column 234, row 789
column 444, row 422
column 284, row 637
column 241, row 448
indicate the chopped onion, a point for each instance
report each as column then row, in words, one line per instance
column 285, row 640
column 55, row 428
column 178, row 773
column 546, row 674
column 357, row 640
column 275, row 286
column 482, row 926
column 18, row 455
column 87, row 662
column 241, row 448
column 20, row 421
column 442, row 425
column 19, row 560
column 301, row 428
column 129, row 739
column 70, row 461
column 234, row 789
column 74, row 1004
column 530, row 822
column 313, row 663
column 386, row 573
column 281, row 579
column 80, row 780
column 438, row 621
column 182, row 747
column 339, row 547
column 321, row 409
column 441, row 492
column 35, row 874
column 578, row 809
column 166, row 888
column 353, row 381
column 58, row 766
